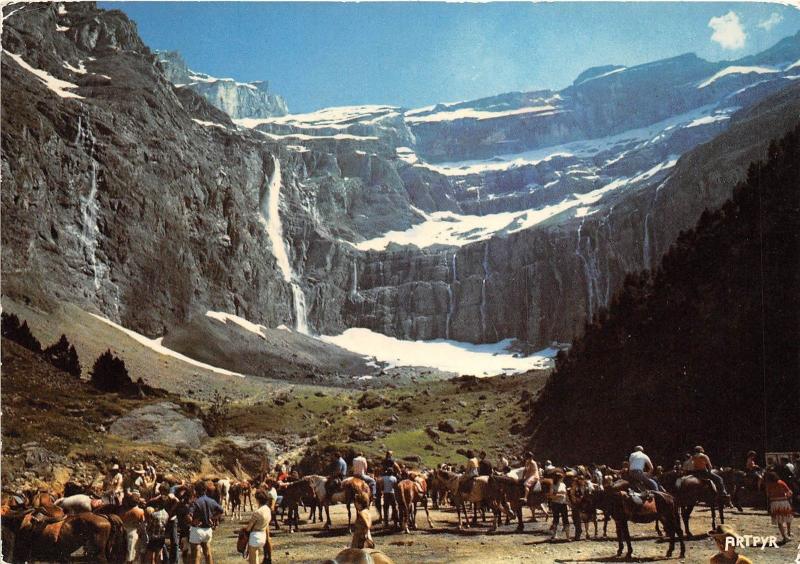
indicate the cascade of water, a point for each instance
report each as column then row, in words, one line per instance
column 271, row 219
column 354, row 288
column 90, row 207
column 591, row 271
column 450, row 300
column 483, row 288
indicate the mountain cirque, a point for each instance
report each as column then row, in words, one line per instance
column 511, row 216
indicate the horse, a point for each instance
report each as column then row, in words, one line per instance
column 507, row 490
column 537, row 495
column 478, row 494
column 690, row 490
column 57, row 540
column 738, row 482
column 662, row 508
column 350, row 487
column 293, row 493
column 235, row 500
column 224, row 487
column 409, row 492
column 360, row 556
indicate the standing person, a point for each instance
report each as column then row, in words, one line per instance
column 259, row 543
column 727, row 551
column 204, row 513
column 780, row 504
column 114, row 485
column 169, row 503
column 558, row 506
column 389, row 482
column 362, row 534
column 359, row 467
column 639, row 467
column 183, row 523
column 156, row 528
column 339, row 466
column 484, row 466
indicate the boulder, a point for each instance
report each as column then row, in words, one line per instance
column 160, row 423
column 447, row 426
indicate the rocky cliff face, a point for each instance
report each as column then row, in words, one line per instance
column 237, row 99
column 128, row 195
column 117, row 199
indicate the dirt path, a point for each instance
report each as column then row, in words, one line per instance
column 445, row 544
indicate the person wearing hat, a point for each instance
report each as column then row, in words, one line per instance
column 701, row 467
column 727, row 550
column 114, row 485
column 138, row 477
column 640, row 467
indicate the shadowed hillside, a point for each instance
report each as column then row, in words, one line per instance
column 704, row 350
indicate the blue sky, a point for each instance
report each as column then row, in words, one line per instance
column 413, row 54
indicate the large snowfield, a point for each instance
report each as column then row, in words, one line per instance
column 449, row 356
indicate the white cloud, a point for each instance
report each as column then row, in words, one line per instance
column 774, row 19
column 728, row 31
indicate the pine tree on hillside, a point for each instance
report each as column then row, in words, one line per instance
column 704, row 350
column 109, row 373
column 63, row 356
column 10, row 324
column 20, row 334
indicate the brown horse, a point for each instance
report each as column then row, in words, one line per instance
column 618, row 503
column 409, row 492
column 293, row 493
column 56, row 541
column 349, row 489
column 689, row 491
column 506, row 489
column 478, row 494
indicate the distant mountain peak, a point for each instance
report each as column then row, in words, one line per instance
column 237, row 99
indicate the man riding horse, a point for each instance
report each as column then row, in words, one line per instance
column 639, row 469
column 702, row 468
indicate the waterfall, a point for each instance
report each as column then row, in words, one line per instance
column 271, row 219
column 90, row 207
column 591, row 272
column 483, row 288
column 450, row 301
column 354, row 288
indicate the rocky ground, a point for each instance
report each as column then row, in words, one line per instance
column 445, row 544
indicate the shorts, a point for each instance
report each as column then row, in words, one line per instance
column 156, row 544
column 200, row 535
column 257, row 539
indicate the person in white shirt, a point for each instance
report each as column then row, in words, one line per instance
column 639, row 466
column 359, row 470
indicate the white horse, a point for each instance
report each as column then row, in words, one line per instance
column 224, row 489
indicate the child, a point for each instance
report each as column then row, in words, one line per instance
column 558, row 505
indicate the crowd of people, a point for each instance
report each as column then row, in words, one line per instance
column 168, row 519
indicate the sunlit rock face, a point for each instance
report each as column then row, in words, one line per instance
column 513, row 216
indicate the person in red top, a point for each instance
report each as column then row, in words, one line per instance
column 780, row 505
